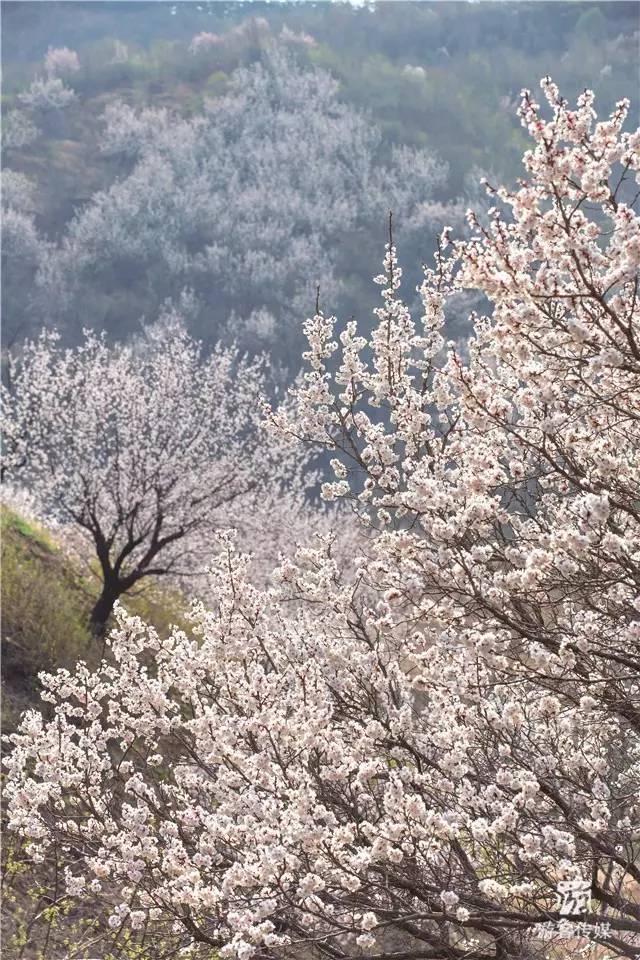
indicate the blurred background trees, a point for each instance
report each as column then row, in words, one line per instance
column 250, row 155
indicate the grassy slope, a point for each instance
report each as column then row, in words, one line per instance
column 45, row 603
column 46, row 599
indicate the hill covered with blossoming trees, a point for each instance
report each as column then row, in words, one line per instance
column 245, row 155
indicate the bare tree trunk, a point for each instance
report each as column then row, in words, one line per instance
column 102, row 611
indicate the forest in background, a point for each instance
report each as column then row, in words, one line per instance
column 188, row 166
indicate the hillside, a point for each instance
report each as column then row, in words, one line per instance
column 83, row 246
column 47, row 595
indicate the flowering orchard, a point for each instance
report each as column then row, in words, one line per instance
column 404, row 760
column 247, row 203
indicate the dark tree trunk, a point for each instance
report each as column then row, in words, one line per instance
column 102, row 610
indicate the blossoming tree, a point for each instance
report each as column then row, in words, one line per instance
column 24, row 253
column 406, row 763
column 61, row 60
column 138, row 447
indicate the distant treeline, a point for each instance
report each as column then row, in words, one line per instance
column 267, row 192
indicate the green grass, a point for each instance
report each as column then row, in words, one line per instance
column 13, row 522
column 44, row 612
